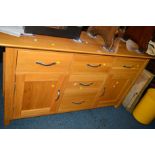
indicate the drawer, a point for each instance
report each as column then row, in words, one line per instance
column 128, row 63
column 83, row 63
column 40, row 61
column 76, row 102
column 85, row 82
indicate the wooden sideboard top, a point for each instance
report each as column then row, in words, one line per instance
column 89, row 45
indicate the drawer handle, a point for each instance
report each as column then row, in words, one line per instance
column 84, row 84
column 58, row 95
column 125, row 66
column 78, row 102
column 91, row 65
column 43, row 64
column 103, row 92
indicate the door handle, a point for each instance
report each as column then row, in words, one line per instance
column 103, row 92
column 58, row 95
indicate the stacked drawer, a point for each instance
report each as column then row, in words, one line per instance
column 128, row 64
column 87, row 76
column 40, row 61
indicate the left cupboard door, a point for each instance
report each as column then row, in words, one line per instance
column 37, row 94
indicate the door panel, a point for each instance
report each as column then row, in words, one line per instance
column 115, row 87
column 37, row 94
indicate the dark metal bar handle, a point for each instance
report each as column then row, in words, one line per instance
column 126, row 66
column 43, row 64
column 58, row 95
column 91, row 65
column 85, row 84
column 78, row 102
column 103, row 92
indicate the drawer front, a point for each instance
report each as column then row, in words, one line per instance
column 83, row 63
column 76, row 102
column 128, row 63
column 86, row 83
column 39, row 61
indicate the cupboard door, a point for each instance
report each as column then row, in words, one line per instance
column 116, row 86
column 36, row 94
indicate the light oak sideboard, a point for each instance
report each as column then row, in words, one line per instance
column 47, row 75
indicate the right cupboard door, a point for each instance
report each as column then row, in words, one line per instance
column 115, row 88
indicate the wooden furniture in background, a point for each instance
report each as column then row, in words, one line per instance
column 141, row 35
column 110, row 35
column 48, row 75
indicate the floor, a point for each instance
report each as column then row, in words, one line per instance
column 102, row 118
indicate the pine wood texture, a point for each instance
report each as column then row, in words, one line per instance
column 54, row 75
column 80, row 92
column 89, row 45
column 35, row 92
column 74, row 101
column 76, row 85
column 85, row 82
column 135, row 75
column 3, row 73
column 41, row 61
column 9, row 83
column 91, row 64
column 128, row 63
column 114, row 87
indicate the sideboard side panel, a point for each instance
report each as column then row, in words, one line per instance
column 9, row 71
